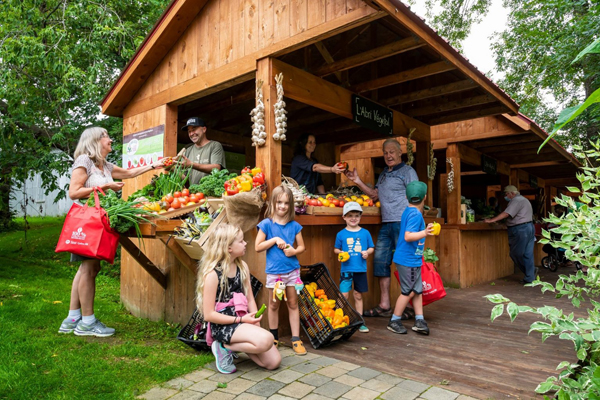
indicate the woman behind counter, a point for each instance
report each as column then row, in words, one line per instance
column 90, row 170
column 306, row 170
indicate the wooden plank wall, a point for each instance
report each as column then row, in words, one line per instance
column 472, row 129
column 228, row 30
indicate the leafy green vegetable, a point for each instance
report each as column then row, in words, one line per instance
column 430, row 256
column 122, row 215
column 212, row 185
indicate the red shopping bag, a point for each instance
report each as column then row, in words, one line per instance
column 433, row 288
column 86, row 232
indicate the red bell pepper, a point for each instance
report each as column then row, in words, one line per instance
column 259, row 178
column 232, row 187
column 246, row 170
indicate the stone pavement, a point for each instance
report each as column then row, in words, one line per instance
column 309, row 377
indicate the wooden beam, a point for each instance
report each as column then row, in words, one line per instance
column 452, row 105
column 484, row 112
column 473, row 157
column 404, row 76
column 539, row 164
column 317, row 92
column 369, row 56
column 144, row 261
column 428, row 93
column 243, row 69
column 180, row 254
column 443, row 143
column 560, row 182
column 402, row 14
column 328, row 59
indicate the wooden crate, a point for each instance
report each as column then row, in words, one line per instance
column 195, row 247
column 316, row 210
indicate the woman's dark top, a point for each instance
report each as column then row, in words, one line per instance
column 303, row 174
column 223, row 333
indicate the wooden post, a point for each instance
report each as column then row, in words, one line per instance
column 514, row 178
column 420, row 165
column 453, row 199
column 268, row 157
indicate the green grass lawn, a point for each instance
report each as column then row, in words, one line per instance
column 37, row 362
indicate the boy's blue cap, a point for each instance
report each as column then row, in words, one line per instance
column 351, row 206
column 416, row 191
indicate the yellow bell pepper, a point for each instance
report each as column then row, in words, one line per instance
column 343, row 256
column 313, row 285
column 246, row 186
column 346, row 320
column 339, row 313
column 331, row 303
column 337, row 320
column 255, row 171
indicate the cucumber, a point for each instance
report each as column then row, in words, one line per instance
column 260, row 311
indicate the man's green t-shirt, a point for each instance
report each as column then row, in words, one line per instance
column 210, row 153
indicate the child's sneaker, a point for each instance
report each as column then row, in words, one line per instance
column 397, row 327
column 223, row 358
column 421, row 327
column 298, row 348
column 68, row 325
column 363, row 329
column 97, row 329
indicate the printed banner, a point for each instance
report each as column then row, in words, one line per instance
column 143, row 148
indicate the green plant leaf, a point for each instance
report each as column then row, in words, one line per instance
column 547, row 386
column 540, row 326
column 581, row 353
column 513, row 310
column 592, row 48
column 496, row 298
column 497, row 311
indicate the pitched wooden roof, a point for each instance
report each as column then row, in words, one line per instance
column 380, row 50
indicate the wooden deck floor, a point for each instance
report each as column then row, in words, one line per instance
column 475, row 356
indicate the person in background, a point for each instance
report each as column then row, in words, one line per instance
column 391, row 192
column 521, row 232
column 358, row 244
column 408, row 259
column 306, row 170
column 224, row 299
column 204, row 155
column 277, row 234
column 91, row 170
column 494, row 205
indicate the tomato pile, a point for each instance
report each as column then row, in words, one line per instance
column 174, row 201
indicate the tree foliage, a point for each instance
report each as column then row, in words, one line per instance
column 58, row 59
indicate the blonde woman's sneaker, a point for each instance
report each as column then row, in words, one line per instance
column 223, row 358
column 68, row 325
column 97, row 329
column 363, row 329
column 298, row 348
column 421, row 327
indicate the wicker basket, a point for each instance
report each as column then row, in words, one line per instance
column 186, row 334
column 291, row 183
column 316, row 327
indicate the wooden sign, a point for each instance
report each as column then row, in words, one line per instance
column 533, row 181
column 372, row 115
column 489, row 165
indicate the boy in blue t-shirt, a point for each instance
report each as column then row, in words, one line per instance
column 356, row 243
column 408, row 258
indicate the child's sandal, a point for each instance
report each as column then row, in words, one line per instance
column 299, row 348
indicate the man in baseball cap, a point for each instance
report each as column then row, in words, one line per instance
column 203, row 155
column 521, row 232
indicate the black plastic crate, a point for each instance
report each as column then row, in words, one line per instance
column 315, row 325
column 186, row 334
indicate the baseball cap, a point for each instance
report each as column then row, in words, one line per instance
column 416, row 191
column 511, row 188
column 194, row 121
column 351, row 206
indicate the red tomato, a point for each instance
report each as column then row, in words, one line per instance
column 169, row 198
column 200, row 195
column 176, row 204
column 336, row 202
column 194, row 198
column 342, row 202
column 184, row 200
column 177, row 194
column 185, row 192
column 313, row 202
column 319, row 203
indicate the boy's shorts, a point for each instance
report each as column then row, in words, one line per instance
column 289, row 279
column 410, row 279
column 361, row 283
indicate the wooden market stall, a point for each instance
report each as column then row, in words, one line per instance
column 485, row 155
column 205, row 57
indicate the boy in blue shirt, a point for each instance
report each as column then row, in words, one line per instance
column 408, row 258
column 358, row 243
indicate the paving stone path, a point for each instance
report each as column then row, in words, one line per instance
column 309, row 377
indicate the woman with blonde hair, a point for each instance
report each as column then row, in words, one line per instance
column 224, row 299
column 90, row 170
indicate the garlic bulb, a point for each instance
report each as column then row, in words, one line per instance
column 450, row 176
column 258, row 118
column 279, row 109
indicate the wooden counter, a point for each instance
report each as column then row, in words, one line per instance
column 475, row 226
